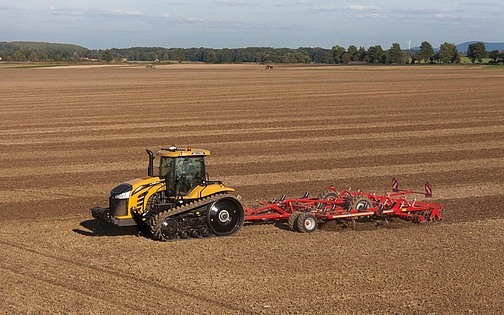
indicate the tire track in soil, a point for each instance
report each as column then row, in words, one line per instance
column 397, row 135
column 70, row 290
column 237, row 117
column 64, row 168
column 127, row 278
column 274, row 178
column 259, row 124
column 19, row 154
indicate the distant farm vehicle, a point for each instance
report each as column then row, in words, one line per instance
column 180, row 201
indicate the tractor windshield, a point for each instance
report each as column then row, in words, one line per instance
column 190, row 172
column 182, row 174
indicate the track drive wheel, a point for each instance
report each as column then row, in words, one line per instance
column 225, row 216
column 361, row 203
column 306, row 222
column 292, row 220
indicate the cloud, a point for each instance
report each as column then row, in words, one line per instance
column 233, row 3
column 365, row 11
column 359, row 7
column 128, row 12
column 52, row 10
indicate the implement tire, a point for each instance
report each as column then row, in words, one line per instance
column 360, row 203
column 306, row 223
column 292, row 222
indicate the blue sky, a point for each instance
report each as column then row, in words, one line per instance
column 244, row 23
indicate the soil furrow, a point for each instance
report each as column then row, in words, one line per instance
column 231, row 137
column 54, row 193
column 75, row 279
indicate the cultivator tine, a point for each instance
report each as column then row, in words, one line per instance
column 428, row 190
column 305, row 195
column 395, row 185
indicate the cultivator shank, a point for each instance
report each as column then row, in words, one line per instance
column 303, row 213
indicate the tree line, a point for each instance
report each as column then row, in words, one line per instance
column 447, row 53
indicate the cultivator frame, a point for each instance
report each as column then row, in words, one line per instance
column 303, row 214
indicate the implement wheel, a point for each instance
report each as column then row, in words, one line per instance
column 361, row 203
column 292, row 222
column 225, row 216
column 306, row 223
column 328, row 195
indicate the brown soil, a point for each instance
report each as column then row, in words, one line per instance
column 68, row 135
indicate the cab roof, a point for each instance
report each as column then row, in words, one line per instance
column 173, row 151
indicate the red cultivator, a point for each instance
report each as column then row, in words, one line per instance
column 303, row 214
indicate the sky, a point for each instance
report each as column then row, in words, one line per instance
column 102, row 24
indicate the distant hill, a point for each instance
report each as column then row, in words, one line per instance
column 489, row 46
column 36, row 51
column 41, row 46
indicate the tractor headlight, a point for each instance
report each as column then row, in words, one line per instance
column 124, row 195
column 123, row 191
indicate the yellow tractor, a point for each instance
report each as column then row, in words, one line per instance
column 175, row 200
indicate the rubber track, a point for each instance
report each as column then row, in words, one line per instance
column 155, row 224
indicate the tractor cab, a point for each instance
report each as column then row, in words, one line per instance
column 183, row 169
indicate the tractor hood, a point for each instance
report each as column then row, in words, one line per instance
column 139, row 185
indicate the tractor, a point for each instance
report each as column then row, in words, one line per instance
column 175, row 200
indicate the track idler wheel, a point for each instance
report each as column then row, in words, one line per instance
column 184, row 234
column 306, row 222
column 225, row 216
column 195, row 233
column 206, row 232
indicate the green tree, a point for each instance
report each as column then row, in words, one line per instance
column 426, row 51
column 353, row 53
column 395, row 54
column 346, row 58
column 18, row 55
column 448, row 53
column 436, row 57
column 362, row 53
column 180, row 55
column 337, row 52
column 476, row 51
column 494, row 54
column 376, row 54
column 211, row 56
column 107, row 56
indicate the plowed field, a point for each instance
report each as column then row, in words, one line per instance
column 69, row 135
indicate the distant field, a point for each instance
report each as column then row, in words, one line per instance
column 70, row 134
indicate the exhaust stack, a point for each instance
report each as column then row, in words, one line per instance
column 150, row 168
